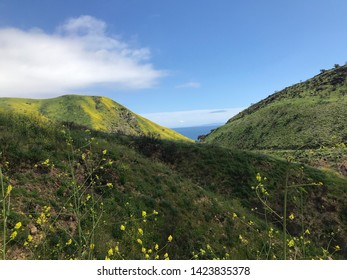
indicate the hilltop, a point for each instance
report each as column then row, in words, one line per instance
column 309, row 115
column 94, row 112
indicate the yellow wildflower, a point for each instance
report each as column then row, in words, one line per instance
column 140, row 230
column 307, row 232
column 13, row 235
column 92, row 246
column 155, row 212
column 291, row 216
column 337, row 248
column 234, row 216
column 110, row 252
column 42, row 219
column 122, row 227
column 9, row 189
column 143, row 250
column 147, row 256
column 107, row 258
column 110, row 185
column 69, row 242
column 258, row 177
column 18, row 225
column 139, row 241
column 291, row 243
column 144, row 214
column 116, row 249
column 104, row 152
column 30, row 238
column 156, row 247
column 243, row 240
column 169, row 238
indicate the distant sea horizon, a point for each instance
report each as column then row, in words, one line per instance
column 194, row 131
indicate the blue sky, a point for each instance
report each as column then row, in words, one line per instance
column 172, row 61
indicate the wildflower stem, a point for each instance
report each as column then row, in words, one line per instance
column 285, row 215
column 3, row 215
column 302, row 224
column 267, row 206
column 93, row 226
column 302, row 185
column 76, row 197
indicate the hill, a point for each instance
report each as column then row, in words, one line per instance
column 72, row 193
column 307, row 115
column 99, row 113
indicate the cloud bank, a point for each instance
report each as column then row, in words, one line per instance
column 192, row 118
column 79, row 54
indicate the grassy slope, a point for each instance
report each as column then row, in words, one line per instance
column 309, row 114
column 98, row 113
column 195, row 188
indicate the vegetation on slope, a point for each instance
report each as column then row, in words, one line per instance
column 70, row 192
column 98, row 113
column 307, row 115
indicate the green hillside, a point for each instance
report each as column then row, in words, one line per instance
column 308, row 115
column 71, row 193
column 82, row 177
column 99, row 113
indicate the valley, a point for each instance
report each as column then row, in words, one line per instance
column 82, row 177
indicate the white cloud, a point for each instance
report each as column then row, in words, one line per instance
column 189, row 85
column 84, row 24
column 192, row 118
column 79, row 54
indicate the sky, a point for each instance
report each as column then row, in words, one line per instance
column 179, row 63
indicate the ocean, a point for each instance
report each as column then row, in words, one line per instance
column 195, row 131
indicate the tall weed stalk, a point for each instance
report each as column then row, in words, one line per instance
column 5, row 198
